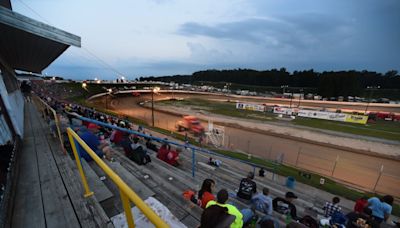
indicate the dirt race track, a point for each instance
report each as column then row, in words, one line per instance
column 373, row 173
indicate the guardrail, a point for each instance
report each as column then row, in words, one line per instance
column 43, row 106
column 127, row 194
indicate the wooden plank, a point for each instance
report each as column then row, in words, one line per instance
column 28, row 208
column 88, row 210
column 142, row 190
column 96, row 185
column 190, row 221
column 168, row 192
column 207, row 166
column 57, row 207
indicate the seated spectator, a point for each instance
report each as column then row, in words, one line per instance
column 285, row 206
column 216, row 216
column 139, row 154
column 90, row 138
column 361, row 219
column 216, row 162
column 262, row 202
column 361, row 204
column 163, row 151
column 173, row 157
column 331, row 207
column 117, row 136
column 222, row 198
column 150, row 145
column 247, row 187
column 205, row 193
column 261, row 172
column 381, row 208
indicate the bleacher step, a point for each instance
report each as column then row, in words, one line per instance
column 141, row 189
column 95, row 184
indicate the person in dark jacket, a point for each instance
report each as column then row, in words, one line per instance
column 285, row 205
column 247, row 187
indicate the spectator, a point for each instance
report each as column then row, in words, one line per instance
column 222, row 197
column 361, row 219
column 361, row 204
column 247, row 187
column 263, row 202
column 173, row 157
column 216, row 216
column 205, row 193
column 139, row 154
column 216, row 162
column 381, row 208
column 93, row 142
column 117, row 136
column 261, row 173
column 150, row 145
column 163, row 151
column 285, row 206
column 332, row 207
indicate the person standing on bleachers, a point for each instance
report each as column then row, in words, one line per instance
column 247, row 187
column 222, row 198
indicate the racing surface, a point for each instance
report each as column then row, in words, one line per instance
column 361, row 170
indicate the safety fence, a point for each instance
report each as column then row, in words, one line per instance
column 127, row 194
column 50, row 115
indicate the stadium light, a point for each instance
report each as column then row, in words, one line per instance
column 284, row 87
column 108, row 93
column 154, row 90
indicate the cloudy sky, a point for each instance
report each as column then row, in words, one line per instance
column 165, row 37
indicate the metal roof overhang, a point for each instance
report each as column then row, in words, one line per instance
column 30, row 45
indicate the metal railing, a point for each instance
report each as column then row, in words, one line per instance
column 44, row 106
column 127, row 194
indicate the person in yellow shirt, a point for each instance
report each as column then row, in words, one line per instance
column 222, row 197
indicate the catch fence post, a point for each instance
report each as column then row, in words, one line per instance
column 379, row 177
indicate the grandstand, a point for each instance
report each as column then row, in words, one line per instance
column 46, row 184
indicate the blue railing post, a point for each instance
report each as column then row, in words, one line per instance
column 193, row 163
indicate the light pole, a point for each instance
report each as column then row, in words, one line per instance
column 301, row 90
column 154, row 90
column 284, row 87
column 109, row 92
column 371, row 88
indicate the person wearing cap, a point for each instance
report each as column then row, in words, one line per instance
column 285, row 205
column 247, row 187
column 90, row 138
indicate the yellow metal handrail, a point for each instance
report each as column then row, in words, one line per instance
column 127, row 194
column 57, row 122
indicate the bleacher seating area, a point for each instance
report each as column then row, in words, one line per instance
column 166, row 183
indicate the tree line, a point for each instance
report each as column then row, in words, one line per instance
column 327, row 83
